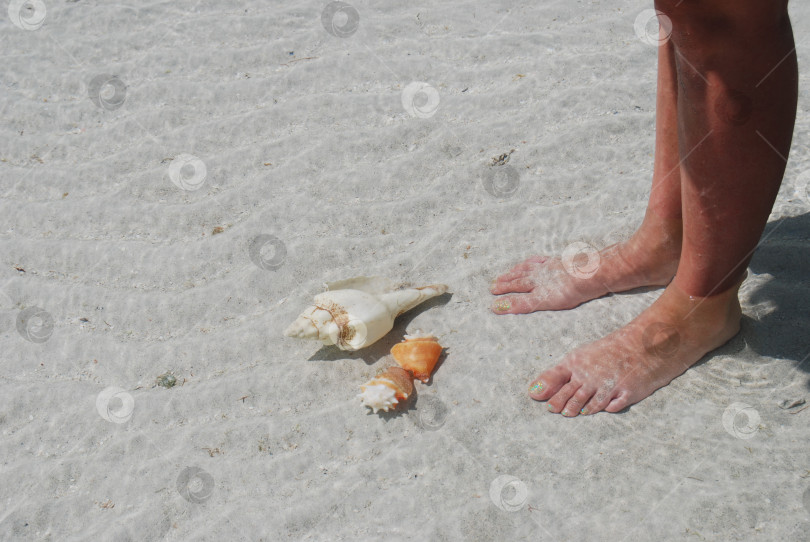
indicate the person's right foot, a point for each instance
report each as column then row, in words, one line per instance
column 646, row 354
column 649, row 258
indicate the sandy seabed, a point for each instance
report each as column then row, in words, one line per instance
column 180, row 178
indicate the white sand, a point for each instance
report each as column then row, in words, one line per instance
column 304, row 137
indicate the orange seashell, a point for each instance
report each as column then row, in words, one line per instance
column 387, row 390
column 418, row 354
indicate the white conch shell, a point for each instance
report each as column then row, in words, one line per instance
column 357, row 312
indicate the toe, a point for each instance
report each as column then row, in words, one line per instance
column 521, row 285
column 561, row 398
column 519, row 271
column 597, row 403
column 575, row 404
column 549, row 383
column 620, row 402
column 518, row 304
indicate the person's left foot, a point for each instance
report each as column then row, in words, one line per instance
column 649, row 258
column 648, row 353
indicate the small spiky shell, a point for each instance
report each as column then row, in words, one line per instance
column 387, row 390
column 418, row 354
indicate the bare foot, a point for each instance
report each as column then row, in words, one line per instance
column 648, row 353
column 649, row 258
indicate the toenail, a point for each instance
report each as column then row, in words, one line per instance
column 550, row 408
column 583, row 411
column 538, row 386
column 564, row 413
column 502, row 306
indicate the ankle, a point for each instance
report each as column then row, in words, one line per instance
column 662, row 235
column 652, row 252
column 715, row 315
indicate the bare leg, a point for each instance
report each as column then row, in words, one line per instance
column 648, row 258
column 739, row 87
column 737, row 90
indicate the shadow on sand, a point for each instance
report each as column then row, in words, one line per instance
column 782, row 330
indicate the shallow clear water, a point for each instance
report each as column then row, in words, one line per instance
column 129, row 267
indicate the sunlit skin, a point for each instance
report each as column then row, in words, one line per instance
column 725, row 109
